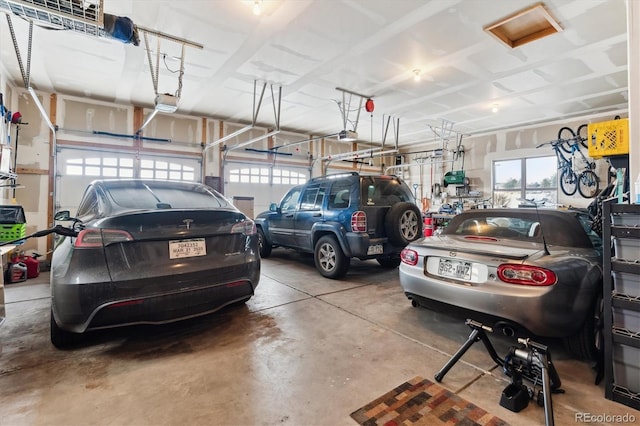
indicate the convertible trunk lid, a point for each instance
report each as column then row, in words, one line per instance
column 489, row 247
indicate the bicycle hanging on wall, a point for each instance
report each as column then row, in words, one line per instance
column 584, row 181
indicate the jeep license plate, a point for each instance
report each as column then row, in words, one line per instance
column 454, row 269
column 375, row 249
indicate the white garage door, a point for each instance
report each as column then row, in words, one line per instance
column 76, row 168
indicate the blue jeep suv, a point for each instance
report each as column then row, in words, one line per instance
column 337, row 217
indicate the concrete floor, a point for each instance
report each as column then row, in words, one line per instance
column 304, row 351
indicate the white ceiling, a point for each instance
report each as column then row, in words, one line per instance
column 311, row 47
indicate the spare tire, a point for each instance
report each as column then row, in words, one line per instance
column 403, row 223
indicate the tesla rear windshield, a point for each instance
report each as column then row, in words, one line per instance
column 148, row 196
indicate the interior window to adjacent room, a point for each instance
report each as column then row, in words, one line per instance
column 517, row 180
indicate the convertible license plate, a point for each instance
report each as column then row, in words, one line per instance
column 187, row 248
column 454, row 269
column 375, row 249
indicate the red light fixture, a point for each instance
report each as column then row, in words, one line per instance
column 369, row 105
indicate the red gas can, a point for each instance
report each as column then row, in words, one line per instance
column 428, row 226
column 33, row 265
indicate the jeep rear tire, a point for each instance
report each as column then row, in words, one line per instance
column 329, row 258
column 265, row 247
column 403, row 224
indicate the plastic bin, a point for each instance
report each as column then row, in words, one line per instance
column 13, row 232
column 627, row 249
column 627, row 219
column 608, row 138
column 12, row 214
column 626, row 367
column 626, row 319
column 455, row 177
column 626, row 283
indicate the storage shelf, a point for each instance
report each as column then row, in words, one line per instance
column 625, row 396
column 85, row 16
column 622, row 304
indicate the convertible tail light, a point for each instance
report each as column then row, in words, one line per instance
column 246, row 227
column 408, row 256
column 359, row 221
column 526, row 275
column 92, row 238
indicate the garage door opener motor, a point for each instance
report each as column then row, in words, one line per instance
column 529, row 360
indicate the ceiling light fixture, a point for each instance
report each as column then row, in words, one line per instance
column 257, row 9
column 416, row 74
column 494, row 108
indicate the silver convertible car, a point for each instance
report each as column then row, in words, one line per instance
column 523, row 270
column 149, row 252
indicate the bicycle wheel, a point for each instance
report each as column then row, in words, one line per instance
column 582, row 135
column 566, row 135
column 568, row 182
column 588, row 184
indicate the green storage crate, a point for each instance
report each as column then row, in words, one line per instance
column 455, row 177
column 13, row 232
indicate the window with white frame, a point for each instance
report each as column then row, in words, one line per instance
column 162, row 169
column 106, row 167
column 261, row 175
column 116, row 167
column 521, row 179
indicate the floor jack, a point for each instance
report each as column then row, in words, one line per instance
column 530, row 360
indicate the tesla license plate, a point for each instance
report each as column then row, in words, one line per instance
column 454, row 269
column 187, row 248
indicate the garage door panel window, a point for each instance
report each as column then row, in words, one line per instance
column 262, row 175
column 160, row 169
column 109, row 167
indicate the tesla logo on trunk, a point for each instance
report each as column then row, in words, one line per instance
column 187, row 223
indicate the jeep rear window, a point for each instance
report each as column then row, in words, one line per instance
column 384, row 191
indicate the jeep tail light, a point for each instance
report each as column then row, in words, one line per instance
column 93, row 238
column 408, row 256
column 526, row 275
column 359, row 222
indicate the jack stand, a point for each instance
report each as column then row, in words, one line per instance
column 532, row 361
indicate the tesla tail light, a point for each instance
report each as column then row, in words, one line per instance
column 246, row 227
column 359, row 222
column 91, row 238
column 526, row 275
column 408, row 256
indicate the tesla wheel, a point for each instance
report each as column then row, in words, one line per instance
column 588, row 184
column 403, row 223
column 389, row 262
column 60, row 338
column 265, row 247
column 329, row 258
column 568, row 182
column 587, row 344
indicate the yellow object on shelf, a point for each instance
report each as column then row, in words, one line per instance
column 608, row 138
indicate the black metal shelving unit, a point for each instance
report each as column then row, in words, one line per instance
column 621, row 268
